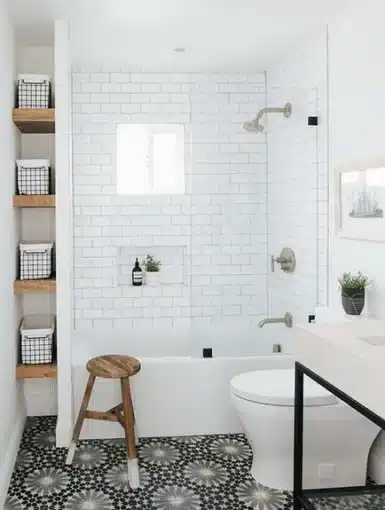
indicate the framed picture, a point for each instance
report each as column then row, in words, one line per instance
column 360, row 212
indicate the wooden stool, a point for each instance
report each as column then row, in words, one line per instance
column 112, row 367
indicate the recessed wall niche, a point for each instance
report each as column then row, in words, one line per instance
column 173, row 258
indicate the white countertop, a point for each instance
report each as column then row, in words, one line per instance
column 336, row 352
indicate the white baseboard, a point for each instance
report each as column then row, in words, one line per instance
column 8, row 461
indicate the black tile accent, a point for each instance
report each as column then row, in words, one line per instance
column 207, row 352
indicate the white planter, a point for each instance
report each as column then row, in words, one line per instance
column 152, row 278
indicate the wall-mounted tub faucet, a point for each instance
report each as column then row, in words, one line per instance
column 287, row 319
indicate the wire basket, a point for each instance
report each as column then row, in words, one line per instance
column 33, row 177
column 37, row 333
column 33, row 91
column 35, row 261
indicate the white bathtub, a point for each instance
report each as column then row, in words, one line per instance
column 175, row 396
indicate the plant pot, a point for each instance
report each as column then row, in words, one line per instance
column 353, row 301
column 152, row 278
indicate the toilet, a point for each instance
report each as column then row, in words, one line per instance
column 337, row 439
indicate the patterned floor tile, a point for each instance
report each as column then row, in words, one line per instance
column 176, row 473
column 372, row 501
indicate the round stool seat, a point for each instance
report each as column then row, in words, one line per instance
column 113, row 366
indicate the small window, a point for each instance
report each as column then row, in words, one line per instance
column 150, row 159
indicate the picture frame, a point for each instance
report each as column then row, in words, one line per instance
column 360, row 200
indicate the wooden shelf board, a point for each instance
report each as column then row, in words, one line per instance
column 36, row 371
column 22, row 286
column 34, row 201
column 39, row 120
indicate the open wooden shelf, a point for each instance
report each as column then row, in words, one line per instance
column 23, row 286
column 33, row 200
column 39, row 120
column 36, row 371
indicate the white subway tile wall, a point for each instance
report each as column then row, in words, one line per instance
column 298, row 182
column 221, row 220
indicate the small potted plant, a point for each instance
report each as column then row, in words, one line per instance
column 353, row 292
column 152, row 268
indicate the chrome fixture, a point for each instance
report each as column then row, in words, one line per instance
column 287, row 319
column 277, row 348
column 286, row 259
column 254, row 126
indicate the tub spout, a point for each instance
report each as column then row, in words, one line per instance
column 287, row 319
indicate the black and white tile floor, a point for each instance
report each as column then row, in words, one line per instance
column 176, row 473
column 373, row 501
column 185, row 473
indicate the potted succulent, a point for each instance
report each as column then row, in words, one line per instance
column 353, row 292
column 152, row 268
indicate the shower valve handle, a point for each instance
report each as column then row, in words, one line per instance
column 286, row 259
column 278, row 260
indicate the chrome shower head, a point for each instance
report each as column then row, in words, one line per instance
column 253, row 126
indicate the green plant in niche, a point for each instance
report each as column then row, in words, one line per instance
column 151, row 265
column 351, row 283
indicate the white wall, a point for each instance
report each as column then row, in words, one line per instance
column 221, row 220
column 298, row 181
column 357, row 126
column 11, row 407
column 36, row 60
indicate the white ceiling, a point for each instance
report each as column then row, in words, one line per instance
column 217, row 33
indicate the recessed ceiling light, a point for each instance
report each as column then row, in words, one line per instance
column 180, row 49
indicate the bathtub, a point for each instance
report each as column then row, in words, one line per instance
column 174, row 396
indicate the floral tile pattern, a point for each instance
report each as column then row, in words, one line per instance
column 46, row 481
column 159, row 453
column 231, row 449
column 89, row 457
column 176, row 473
column 206, row 472
column 372, row 501
column 258, row 496
column 176, row 497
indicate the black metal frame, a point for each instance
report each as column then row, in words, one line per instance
column 301, row 496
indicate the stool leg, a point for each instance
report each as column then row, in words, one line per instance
column 132, row 463
column 80, row 420
column 136, row 435
column 135, row 427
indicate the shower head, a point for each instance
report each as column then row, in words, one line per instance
column 254, row 126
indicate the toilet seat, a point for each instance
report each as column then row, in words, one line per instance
column 276, row 387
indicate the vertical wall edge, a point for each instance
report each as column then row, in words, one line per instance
column 64, row 231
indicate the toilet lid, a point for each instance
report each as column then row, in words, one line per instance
column 276, row 387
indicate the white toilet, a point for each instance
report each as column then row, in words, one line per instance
column 336, row 438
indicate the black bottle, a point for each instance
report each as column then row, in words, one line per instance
column 137, row 274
